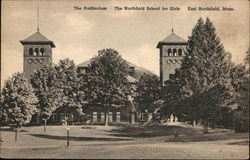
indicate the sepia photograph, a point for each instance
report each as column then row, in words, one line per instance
column 124, row 79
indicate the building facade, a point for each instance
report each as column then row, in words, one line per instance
column 37, row 52
column 172, row 51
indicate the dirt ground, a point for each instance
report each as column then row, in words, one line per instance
column 118, row 142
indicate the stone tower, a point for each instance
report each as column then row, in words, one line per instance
column 172, row 51
column 37, row 53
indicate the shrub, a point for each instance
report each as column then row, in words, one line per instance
column 241, row 121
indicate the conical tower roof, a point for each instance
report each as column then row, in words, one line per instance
column 37, row 38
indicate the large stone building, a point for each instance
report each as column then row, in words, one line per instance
column 37, row 52
column 172, row 51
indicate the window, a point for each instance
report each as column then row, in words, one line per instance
column 169, row 52
column 42, row 51
column 174, row 52
column 31, row 51
column 180, row 52
column 36, row 52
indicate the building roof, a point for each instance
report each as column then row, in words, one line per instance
column 172, row 39
column 37, row 38
column 84, row 64
column 132, row 77
column 138, row 71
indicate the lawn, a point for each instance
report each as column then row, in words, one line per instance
column 124, row 141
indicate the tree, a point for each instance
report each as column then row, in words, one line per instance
column 47, row 90
column 73, row 97
column 148, row 92
column 107, row 82
column 177, row 96
column 247, row 58
column 241, row 81
column 18, row 102
column 204, row 77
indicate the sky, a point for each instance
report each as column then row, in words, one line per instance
column 79, row 34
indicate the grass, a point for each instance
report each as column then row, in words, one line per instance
column 139, row 131
column 124, row 141
column 208, row 137
column 244, row 142
column 186, row 134
column 77, row 138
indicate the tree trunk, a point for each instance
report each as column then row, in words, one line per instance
column 213, row 124
column 38, row 118
column 45, row 123
column 1, row 140
column 16, row 135
column 205, row 124
column 234, row 125
column 107, row 119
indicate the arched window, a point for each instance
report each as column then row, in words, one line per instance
column 36, row 52
column 174, row 52
column 169, row 52
column 31, row 51
column 42, row 51
column 180, row 52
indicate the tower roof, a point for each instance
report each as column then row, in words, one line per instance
column 172, row 39
column 37, row 38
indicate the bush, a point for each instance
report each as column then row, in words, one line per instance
column 225, row 119
column 241, row 121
